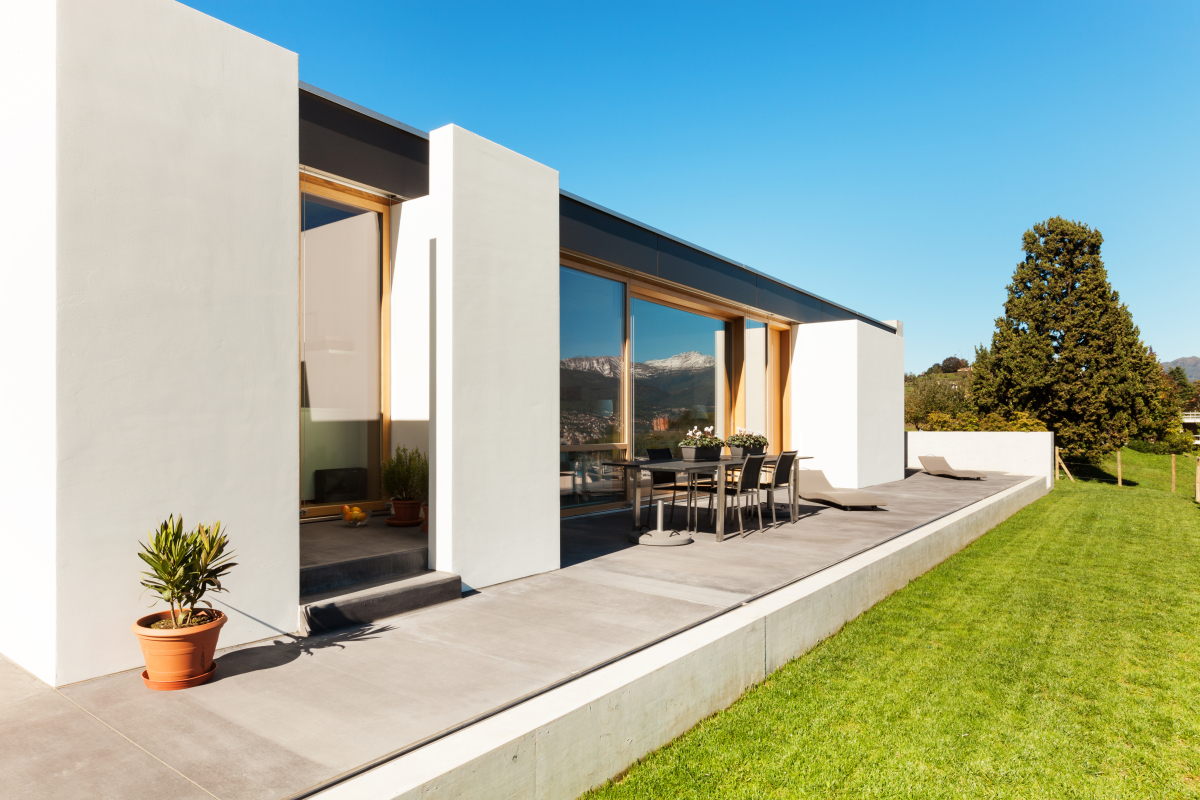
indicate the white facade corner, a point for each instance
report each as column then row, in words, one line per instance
column 848, row 401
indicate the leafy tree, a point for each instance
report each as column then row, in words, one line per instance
column 954, row 364
column 1066, row 350
column 1186, row 393
column 930, row 394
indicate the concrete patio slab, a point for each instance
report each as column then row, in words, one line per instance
column 50, row 748
column 284, row 715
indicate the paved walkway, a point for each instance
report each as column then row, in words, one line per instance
column 285, row 715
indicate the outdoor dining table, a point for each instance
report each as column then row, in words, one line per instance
column 720, row 467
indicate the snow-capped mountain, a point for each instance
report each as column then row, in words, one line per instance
column 610, row 366
column 682, row 361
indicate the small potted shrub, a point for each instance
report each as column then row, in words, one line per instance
column 746, row 443
column 399, row 471
column 420, row 485
column 701, row 445
column 178, row 644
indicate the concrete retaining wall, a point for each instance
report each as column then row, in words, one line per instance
column 576, row 737
column 988, row 451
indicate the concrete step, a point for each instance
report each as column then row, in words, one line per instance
column 344, row 574
column 329, row 611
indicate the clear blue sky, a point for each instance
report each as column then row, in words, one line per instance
column 886, row 156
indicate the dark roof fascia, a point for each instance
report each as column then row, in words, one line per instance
column 375, row 115
column 333, row 98
column 727, row 260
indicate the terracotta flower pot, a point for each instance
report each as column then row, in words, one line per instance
column 424, row 518
column 177, row 658
column 405, row 513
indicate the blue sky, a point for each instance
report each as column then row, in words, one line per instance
column 885, row 156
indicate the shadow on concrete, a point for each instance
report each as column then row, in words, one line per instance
column 286, row 650
column 593, row 536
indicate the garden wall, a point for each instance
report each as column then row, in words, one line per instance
column 986, row 451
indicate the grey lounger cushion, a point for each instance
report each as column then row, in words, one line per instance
column 936, row 465
column 813, row 485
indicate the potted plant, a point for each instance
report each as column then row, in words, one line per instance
column 398, row 473
column 746, row 443
column 701, row 445
column 420, row 485
column 178, row 644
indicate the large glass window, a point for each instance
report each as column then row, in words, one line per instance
column 757, row 383
column 678, row 374
column 591, row 348
column 340, row 420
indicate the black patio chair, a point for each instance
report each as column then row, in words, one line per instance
column 747, row 483
column 780, row 476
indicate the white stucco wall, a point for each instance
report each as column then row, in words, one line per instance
column 177, row 312
column 413, row 220
column 494, row 421
column 848, row 402
column 28, row 438
column 987, row 451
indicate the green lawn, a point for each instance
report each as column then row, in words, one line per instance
column 1144, row 471
column 1058, row 656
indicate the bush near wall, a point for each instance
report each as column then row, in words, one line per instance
column 1018, row 421
column 1180, row 445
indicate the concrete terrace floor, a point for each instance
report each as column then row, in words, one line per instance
column 281, row 716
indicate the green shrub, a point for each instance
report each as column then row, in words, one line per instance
column 1018, row 421
column 1178, row 442
column 405, row 475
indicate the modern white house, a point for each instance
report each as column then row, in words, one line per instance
column 228, row 294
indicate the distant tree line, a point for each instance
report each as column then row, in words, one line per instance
column 1065, row 357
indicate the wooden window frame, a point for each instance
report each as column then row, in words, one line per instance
column 310, row 184
column 780, row 339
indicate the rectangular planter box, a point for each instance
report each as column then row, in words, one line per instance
column 700, row 453
column 742, row 452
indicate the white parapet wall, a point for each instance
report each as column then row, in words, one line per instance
column 987, row 451
column 161, row 306
column 494, row 422
column 560, row 744
column 848, row 401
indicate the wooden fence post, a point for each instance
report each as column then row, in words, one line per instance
column 1119, row 482
column 1058, row 462
column 1172, row 473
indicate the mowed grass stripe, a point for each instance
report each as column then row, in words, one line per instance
column 1058, row 656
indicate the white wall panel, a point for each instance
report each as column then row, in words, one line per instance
column 848, row 402
column 178, row 303
column 410, row 324
column 494, row 426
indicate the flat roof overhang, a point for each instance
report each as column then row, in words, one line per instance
column 345, row 139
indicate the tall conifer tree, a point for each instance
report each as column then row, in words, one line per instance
column 1067, row 351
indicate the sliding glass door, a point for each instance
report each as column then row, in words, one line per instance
column 341, row 419
column 678, row 374
column 640, row 366
column 591, row 408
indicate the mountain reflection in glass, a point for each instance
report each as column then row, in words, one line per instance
column 591, row 340
column 678, row 375
column 591, row 344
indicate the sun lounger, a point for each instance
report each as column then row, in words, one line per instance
column 813, row 485
column 936, row 465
